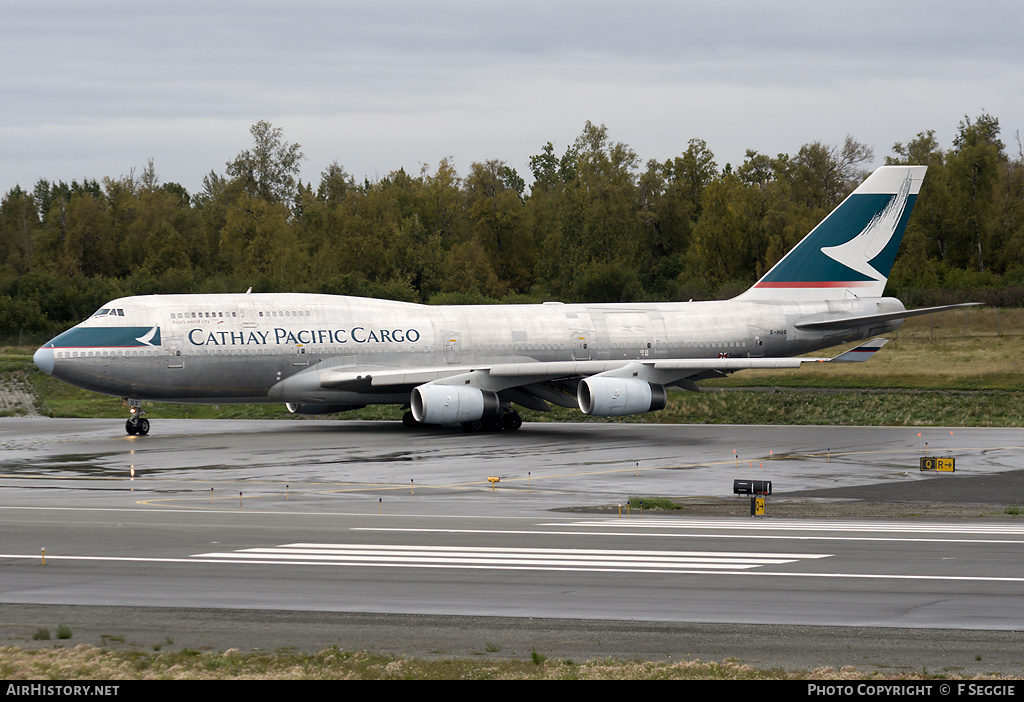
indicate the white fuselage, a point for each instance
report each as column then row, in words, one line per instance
column 243, row 347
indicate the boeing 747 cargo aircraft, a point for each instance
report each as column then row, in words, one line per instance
column 323, row 354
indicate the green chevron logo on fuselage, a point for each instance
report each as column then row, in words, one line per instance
column 107, row 338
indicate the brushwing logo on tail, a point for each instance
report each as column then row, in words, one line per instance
column 850, row 253
column 859, row 252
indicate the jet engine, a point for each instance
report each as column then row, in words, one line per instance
column 604, row 396
column 447, row 404
column 297, row 408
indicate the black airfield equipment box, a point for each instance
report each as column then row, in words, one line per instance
column 752, row 487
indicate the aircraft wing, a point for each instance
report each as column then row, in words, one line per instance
column 500, row 377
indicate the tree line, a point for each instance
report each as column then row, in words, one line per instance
column 595, row 224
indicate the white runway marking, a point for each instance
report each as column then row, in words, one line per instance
column 757, row 530
column 804, row 525
column 507, row 558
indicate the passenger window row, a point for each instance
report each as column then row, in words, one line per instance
column 285, row 313
column 202, row 315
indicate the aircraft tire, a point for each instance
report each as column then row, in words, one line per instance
column 512, row 421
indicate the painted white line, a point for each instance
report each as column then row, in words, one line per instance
column 452, row 556
column 307, row 547
column 701, row 535
column 802, row 525
column 624, row 570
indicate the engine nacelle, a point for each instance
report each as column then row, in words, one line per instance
column 448, row 404
column 603, row 396
column 303, row 408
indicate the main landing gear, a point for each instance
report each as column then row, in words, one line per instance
column 136, row 424
column 508, row 420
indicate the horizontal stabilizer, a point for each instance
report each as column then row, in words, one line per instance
column 860, row 353
column 851, row 322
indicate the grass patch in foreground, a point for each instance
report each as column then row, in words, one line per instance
column 89, row 663
column 648, row 502
column 728, row 406
column 824, row 407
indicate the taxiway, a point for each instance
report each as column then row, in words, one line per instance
column 363, row 519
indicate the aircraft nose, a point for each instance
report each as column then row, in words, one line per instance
column 43, row 358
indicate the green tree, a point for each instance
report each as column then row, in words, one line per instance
column 543, row 222
column 1011, row 214
column 597, row 208
column 717, row 238
column 497, row 217
column 335, row 184
column 823, row 175
column 692, row 173
column 268, row 171
column 930, row 234
column 975, row 165
column 260, row 241
column 19, row 220
column 670, row 196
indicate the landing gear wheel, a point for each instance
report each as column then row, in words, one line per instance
column 409, row 421
column 137, row 425
column 511, row 421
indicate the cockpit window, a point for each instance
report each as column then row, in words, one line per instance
column 109, row 311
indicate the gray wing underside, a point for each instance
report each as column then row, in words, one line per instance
column 533, row 384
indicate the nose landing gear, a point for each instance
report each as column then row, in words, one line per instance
column 136, row 424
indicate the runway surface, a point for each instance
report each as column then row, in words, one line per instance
column 369, row 522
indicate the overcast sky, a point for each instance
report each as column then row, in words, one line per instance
column 95, row 89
